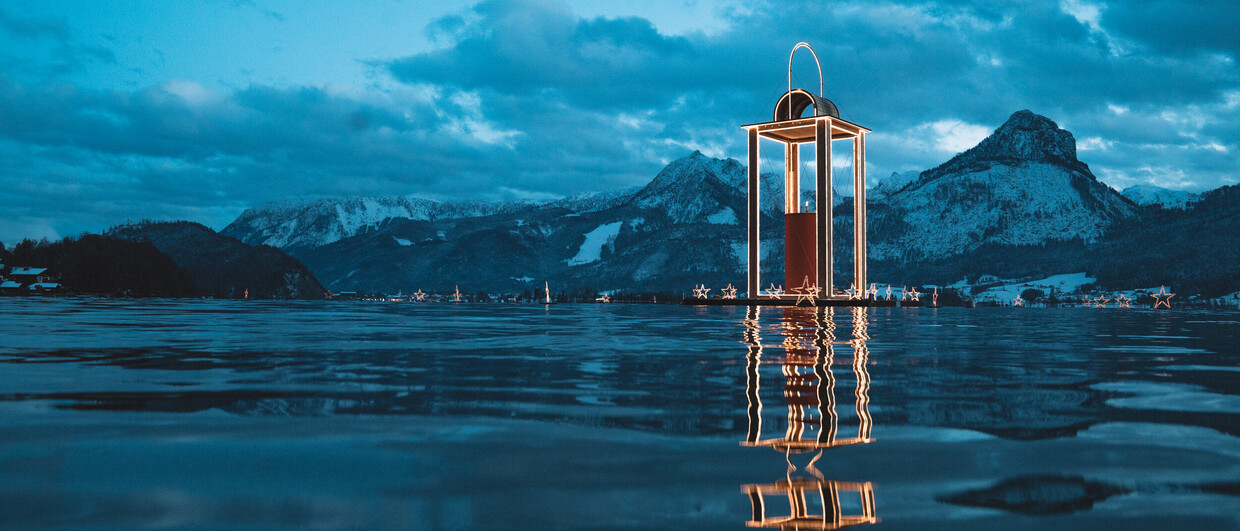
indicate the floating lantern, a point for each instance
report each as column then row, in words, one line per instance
column 808, row 239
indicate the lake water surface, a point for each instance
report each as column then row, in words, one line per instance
column 253, row 415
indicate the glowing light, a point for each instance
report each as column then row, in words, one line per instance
column 603, row 299
column 816, row 63
column 1101, row 302
column 913, row 295
column 774, row 291
column 700, row 291
column 807, row 292
column 1018, row 301
column 798, row 490
column 889, row 292
column 935, row 297
column 809, row 342
column 1162, row 298
column 851, row 292
column 729, row 292
column 873, row 291
column 1123, row 302
column 419, row 296
column 1085, row 302
column 456, row 295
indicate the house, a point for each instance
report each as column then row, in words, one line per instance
column 44, row 288
column 30, row 280
column 30, row 275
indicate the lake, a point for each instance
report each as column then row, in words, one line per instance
column 161, row 414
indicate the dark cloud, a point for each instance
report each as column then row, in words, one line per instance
column 1177, row 27
column 523, row 98
column 531, row 48
column 893, row 66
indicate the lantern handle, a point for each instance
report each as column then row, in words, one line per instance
column 811, row 51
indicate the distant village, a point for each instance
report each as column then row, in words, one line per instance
column 1056, row 291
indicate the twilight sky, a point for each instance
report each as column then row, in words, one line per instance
column 198, row 110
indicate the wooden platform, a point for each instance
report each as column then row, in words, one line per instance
column 768, row 301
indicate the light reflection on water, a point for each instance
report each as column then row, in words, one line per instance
column 122, row 414
column 808, row 365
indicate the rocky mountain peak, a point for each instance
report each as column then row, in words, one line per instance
column 1025, row 137
column 688, row 187
column 695, row 170
column 1030, row 137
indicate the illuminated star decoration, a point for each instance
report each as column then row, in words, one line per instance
column 913, row 295
column 1085, row 301
column 1101, row 302
column 873, row 291
column 774, row 291
column 903, row 292
column 807, row 292
column 604, row 298
column 851, row 291
column 729, row 292
column 888, row 291
column 1123, row 301
column 1162, row 298
column 456, row 296
column 935, row 298
column 419, row 296
column 700, row 291
column 1018, row 301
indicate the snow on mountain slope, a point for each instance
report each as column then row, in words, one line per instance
column 592, row 248
column 594, row 201
column 1021, row 185
column 319, row 222
column 694, row 187
column 322, row 221
column 727, row 216
column 1145, row 194
column 1059, row 285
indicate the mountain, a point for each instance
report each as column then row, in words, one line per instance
column 682, row 227
column 1145, row 194
column 1022, row 185
column 1192, row 249
column 1019, row 203
column 293, row 224
column 696, row 188
column 223, row 267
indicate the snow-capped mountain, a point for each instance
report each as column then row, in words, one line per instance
column 1021, row 185
column 696, row 188
column 1145, row 194
column 314, row 223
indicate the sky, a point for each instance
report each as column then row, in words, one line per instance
column 115, row 112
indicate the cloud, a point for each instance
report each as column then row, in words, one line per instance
column 527, row 98
column 1177, row 28
column 63, row 53
column 531, row 48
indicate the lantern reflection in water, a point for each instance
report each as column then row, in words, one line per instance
column 808, row 344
